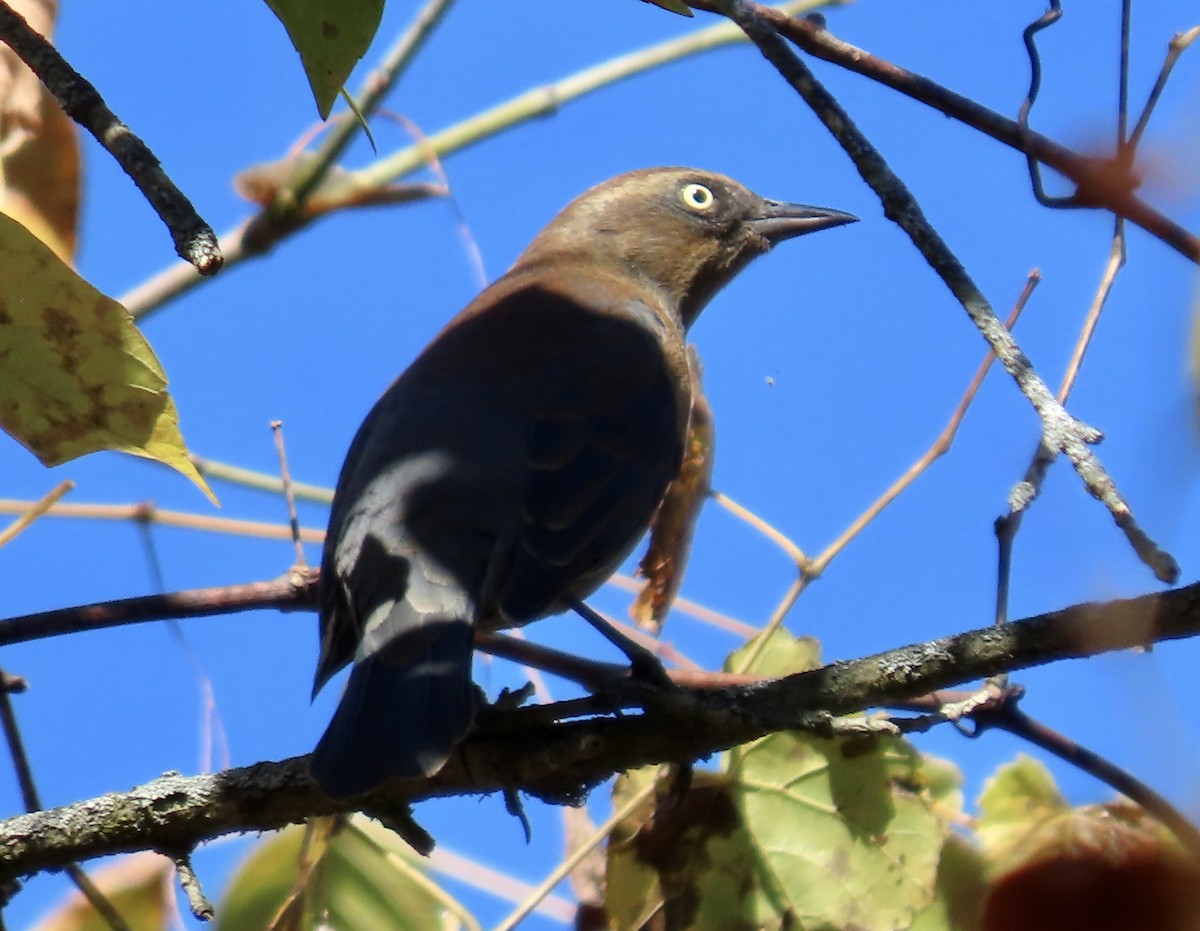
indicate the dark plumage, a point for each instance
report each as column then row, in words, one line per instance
column 520, row 458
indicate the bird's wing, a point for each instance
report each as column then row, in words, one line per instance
column 515, row 463
column 607, row 392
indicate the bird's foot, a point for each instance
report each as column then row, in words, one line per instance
column 643, row 664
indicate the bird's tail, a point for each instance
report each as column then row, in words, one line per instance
column 401, row 717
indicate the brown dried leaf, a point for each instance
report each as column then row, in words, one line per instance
column 1102, row 867
column 20, row 89
column 39, row 148
column 1094, row 867
column 674, row 524
column 338, row 190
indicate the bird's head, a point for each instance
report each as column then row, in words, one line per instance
column 685, row 231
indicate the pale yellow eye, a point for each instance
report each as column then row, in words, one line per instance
column 697, row 197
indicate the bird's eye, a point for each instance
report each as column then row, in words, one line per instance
column 697, row 197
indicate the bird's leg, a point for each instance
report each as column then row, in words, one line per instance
column 642, row 662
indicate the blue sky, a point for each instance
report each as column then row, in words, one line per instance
column 831, row 365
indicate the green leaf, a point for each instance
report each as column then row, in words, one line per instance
column 842, row 832
column 781, row 655
column 76, row 375
column 331, row 36
column 1020, row 810
column 842, row 835
column 367, row 879
column 961, row 890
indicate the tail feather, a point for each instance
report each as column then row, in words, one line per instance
column 399, row 719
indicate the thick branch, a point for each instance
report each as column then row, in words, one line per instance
column 560, row 761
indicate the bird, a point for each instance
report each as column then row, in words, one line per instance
column 519, row 459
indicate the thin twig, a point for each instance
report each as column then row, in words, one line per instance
column 1030, row 486
column 262, row 481
column 810, row 569
column 29, row 796
column 148, row 513
column 197, row 901
column 375, row 88
column 285, row 476
column 772, row 533
column 1123, row 77
column 419, row 877
column 1061, row 431
column 35, row 510
column 194, row 239
column 775, row 621
column 1049, row 18
column 498, row 883
column 940, row 446
column 292, row 592
column 1176, row 47
column 692, row 609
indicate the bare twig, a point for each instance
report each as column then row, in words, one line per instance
column 293, row 592
column 35, row 510
column 285, row 477
column 250, row 478
column 29, row 795
column 1029, row 488
column 1047, row 19
column 939, row 448
column 1060, row 430
column 147, row 513
column 194, row 239
column 1176, row 47
column 190, row 883
column 772, row 533
column 810, row 569
column 563, row 869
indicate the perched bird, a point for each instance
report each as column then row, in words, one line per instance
column 515, row 464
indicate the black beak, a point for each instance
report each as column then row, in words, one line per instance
column 777, row 221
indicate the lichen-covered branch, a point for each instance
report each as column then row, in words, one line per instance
column 559, row 760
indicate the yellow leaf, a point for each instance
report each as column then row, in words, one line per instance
column 76, row 375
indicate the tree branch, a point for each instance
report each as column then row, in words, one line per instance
column 1060, row 430
column 194, row 239
column 560, row 761
column 810, row 35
